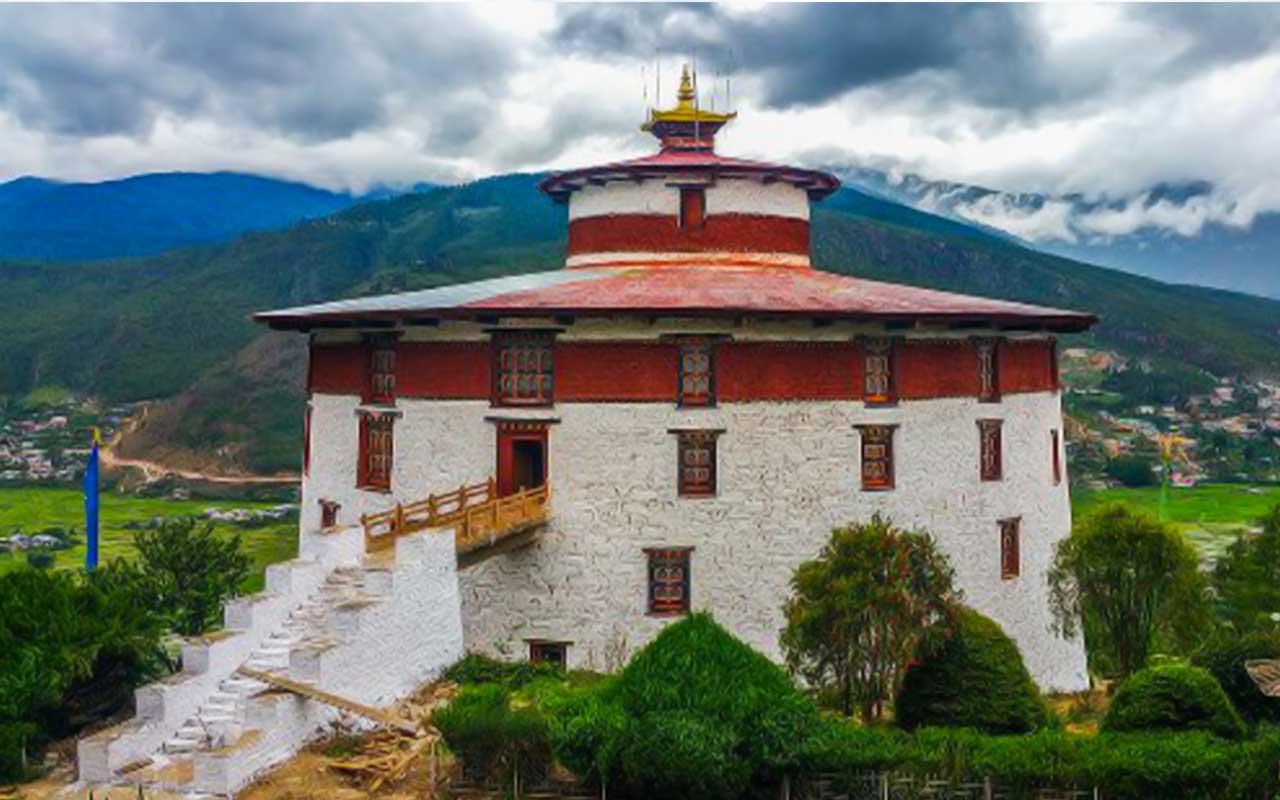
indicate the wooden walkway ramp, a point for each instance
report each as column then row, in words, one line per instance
column 312, row 693
column 484, row 523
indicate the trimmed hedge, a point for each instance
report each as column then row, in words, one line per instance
column 492, row 735
column 976, row 679
column 1173, row 697
column 1124, row 766
column 1225, row 654
column 474, row 668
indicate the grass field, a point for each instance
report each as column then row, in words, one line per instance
column 30, row 510
column 1211, row 515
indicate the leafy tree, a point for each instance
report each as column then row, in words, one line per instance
column 71, row 649
column 1125, row 578
column 859, row 613
column 976, row 679
column 1247, row 577
column 1173, row 697
column 1133, row 471
column 191, row 572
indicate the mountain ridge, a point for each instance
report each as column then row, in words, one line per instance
column 176, row 325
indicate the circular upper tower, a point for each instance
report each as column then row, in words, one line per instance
column 686, row 205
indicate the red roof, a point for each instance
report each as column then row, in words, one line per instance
column 561, row 184
column 689, row 291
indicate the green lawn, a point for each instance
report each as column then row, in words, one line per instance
column 1211, row 515
column 33, row 509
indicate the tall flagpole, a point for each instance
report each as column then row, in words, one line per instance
column 91, row 506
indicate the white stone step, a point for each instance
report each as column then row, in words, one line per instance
column 179, row 744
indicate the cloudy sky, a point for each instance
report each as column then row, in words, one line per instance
column 1105, row 100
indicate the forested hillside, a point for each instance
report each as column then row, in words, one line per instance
column 154, row 327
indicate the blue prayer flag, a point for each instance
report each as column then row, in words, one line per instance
column 91, row 506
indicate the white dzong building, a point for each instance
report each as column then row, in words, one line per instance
column 697, row 407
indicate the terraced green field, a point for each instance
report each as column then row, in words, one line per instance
column 29, row 510
column 1211, row 515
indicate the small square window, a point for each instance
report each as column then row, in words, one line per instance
column 696, row 463
column 549, row 653
column 329, row 513
column 1010, row 548
column 991, row 447
column 697, row 373
column 877, row 457
column 669, row 581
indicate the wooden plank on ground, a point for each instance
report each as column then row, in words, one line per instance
column 312, row 693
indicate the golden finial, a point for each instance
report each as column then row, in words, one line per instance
column 686, row 94
column 686, row 112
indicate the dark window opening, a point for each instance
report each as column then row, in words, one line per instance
column 528, row 464
column 1010, row 548
column 669, row 581
column 1056, row 445
column 991, row 447
column 693, row 207
column 329, row 513
column 549, row 653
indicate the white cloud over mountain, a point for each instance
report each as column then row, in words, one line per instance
column 1105, row 102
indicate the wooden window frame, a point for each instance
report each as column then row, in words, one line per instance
column 1010, row 548
column 693, row 207
column 1055, row 442
column 988, row 361
column 875, row 348
column 872, row 437
column 540, row 648
column 672, row 558
column 506, row 373
column 688, row 348
column 991, row 449
column 383, row 357
column 370, row 477
column 690, row 440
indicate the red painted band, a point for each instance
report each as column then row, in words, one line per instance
column 661, row 233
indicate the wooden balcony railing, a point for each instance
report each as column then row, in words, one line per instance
column 479, row 517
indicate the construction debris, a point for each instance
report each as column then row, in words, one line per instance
column 390, row 719
column 1266, row 674
column 385, row 756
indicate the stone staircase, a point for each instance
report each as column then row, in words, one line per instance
column 366, row 627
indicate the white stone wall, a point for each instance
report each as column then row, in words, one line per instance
column 656, row 196
column 788, row 473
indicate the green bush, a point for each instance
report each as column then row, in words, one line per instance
column 1173, row 697
column 727, row 711
column 976, row 679
column 682, row 754
column 1225, row 655
column 494, row 737
column 474, row 668
column 40, row 559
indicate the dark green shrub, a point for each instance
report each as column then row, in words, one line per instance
column 40, row 559
column 1225, row 655
column 1154, row 765
column 1173, row 697
column 475, row 668
column 976, row 679
column 738, row 717
column 680, row 754
column 191, row 571
column 493, row 737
